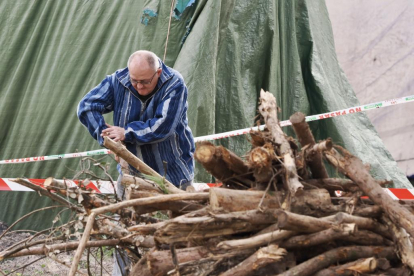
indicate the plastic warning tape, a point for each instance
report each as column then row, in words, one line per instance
column 317, row 117
column 104, row 187
column 58, row 156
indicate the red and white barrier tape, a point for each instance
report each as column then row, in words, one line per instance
column 226, row 134
column 105, row 187
column 58, row 156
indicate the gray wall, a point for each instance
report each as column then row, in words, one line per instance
column 374, row 41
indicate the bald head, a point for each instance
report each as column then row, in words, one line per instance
column 143, row 59
column 144, row 71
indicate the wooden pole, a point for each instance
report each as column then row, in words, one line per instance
column 134, row 161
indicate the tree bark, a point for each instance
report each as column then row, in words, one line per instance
column 260, row 159
column 141, row 184
column 300, row 223
column 365, row 237
column 305, row 137
column 353, row 168
column 268, row 110
column 176, row 207
column 233, row 162
column 239, row 200
column 187, row 229
column 363, row 223
column 135, row 162
column 259, row 259
column 63, row 247
column 403, row 242
column 365, row 265
column 45, row 192
column 322, row 237
column 256, row 241
column 212, row 159
column 342, row 254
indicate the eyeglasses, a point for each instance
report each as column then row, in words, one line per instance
column 143, row 82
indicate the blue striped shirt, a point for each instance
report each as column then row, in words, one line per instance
column 155, row 131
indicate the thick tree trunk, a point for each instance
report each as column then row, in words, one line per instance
column 212, row 159
column 233, row 162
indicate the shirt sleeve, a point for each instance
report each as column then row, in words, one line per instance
column 167, row 115
column 98, row 101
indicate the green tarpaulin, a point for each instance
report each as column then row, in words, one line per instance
column 53, row 52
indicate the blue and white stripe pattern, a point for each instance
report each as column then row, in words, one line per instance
column 157, row 131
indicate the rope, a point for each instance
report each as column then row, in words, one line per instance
column 168, row 32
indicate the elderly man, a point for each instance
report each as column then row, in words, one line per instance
column 149, row 104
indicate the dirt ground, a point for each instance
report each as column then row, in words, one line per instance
column 48, row 266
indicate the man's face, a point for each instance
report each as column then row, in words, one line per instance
column 143, row 78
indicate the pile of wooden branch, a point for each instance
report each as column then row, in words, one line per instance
column 276, row 213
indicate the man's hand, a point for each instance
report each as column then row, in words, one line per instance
column 114, row 132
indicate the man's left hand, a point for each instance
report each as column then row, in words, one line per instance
column 114, row 132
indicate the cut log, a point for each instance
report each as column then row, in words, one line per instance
column 342, row 254
column 189, row 229
column 365, row 265
column 256, row 241
column 160, row 262
column 176, row 207
column 259, row 259
column 305, row 137
column 211, row 157
column 322, row 237
column 236, row 200
column 363, row 223
column 240, row 200
column 365, row 237
column 300, row 223
column 353, row 168
column 260, row 159
column 233, row 162
column 268, row 110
